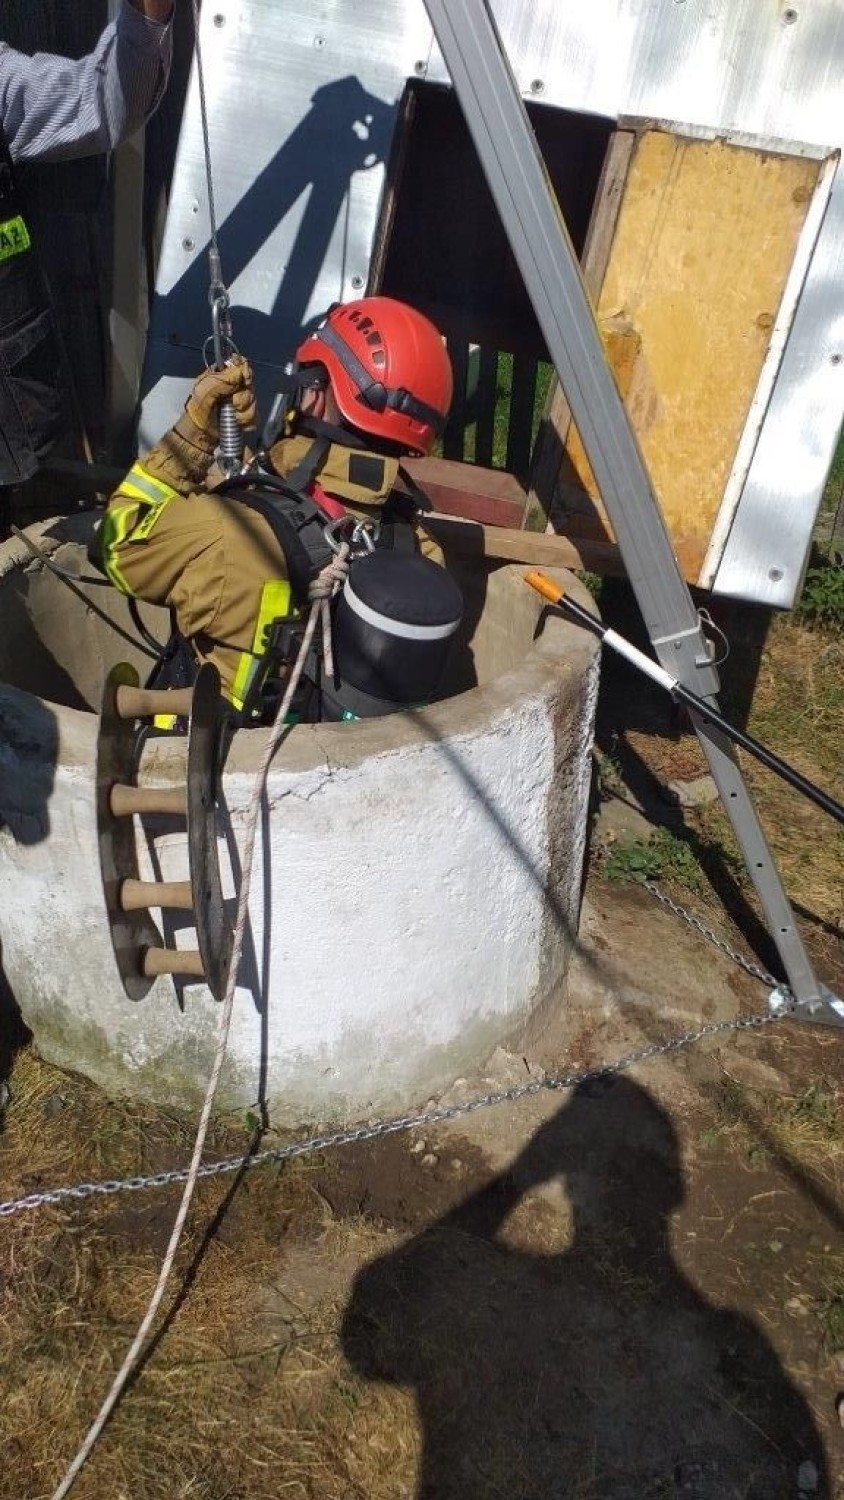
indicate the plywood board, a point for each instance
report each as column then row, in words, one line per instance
column 704, row 240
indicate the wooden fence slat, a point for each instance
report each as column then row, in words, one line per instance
column 520, row 426
column 486, row 403
column 455, row 427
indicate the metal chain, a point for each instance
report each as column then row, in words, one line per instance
column 387, row 1127
column 717, row 942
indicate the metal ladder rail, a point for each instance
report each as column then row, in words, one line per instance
column 497, row 120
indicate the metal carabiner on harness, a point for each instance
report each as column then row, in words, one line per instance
column 359, row 536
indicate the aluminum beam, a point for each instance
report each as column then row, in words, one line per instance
column 497, row 120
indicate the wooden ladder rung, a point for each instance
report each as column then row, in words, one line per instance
column 159, row 961
column 125, row 800
column 140, row 895
column 146, row 703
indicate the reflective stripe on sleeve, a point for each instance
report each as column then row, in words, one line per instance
column 147, row 498
column 116, row 526
column 142, row 486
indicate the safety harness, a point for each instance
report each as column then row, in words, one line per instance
column 301, row 525
column 301, row 522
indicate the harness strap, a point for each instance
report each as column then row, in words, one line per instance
column 295, row 520
column 305, row 470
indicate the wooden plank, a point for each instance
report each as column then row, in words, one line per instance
column 534, row 548
column 520, row 423
column 552, row 439
column 458, row 349
column 680, row 274
column 487, row 397
column 392, row 187
column 489, row 495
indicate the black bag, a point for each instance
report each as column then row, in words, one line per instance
column 32, row 405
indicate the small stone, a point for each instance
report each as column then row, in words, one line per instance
column 807, row 1478
column 418, row 1147
column 430, row 1160
column 53, row 1106
column 456, row 1164
column 839, row 1407
column 775, row 1246
column 797, row 1306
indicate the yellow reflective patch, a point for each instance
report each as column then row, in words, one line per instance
column 276, row 600
column 147, row 521
column 240, row 686
column 14, row 238
column 276, row 604
column 116, row 524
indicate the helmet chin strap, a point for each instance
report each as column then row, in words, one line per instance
column 286, row 403
column 335, row 432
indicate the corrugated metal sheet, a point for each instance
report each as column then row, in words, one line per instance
column 303, row 104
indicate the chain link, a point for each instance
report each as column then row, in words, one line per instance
column 381, row 1128
column 717, row 942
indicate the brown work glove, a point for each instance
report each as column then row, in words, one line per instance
column 232, row 383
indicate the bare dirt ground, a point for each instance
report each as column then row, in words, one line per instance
column 631, row 1289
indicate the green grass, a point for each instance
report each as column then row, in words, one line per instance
column 822, row 601
column 663, row 857
column 501, row 419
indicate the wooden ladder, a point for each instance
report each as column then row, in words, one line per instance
column 126, row 718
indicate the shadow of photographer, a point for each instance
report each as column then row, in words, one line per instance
column 598, row 1371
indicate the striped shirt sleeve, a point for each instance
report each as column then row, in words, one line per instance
column 54, row 109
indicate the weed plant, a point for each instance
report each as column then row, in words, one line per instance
column 822, row 601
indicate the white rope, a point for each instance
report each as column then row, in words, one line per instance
column 321, row 591
column 319, row 610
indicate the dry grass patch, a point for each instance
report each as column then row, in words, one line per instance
column 796, row 711
column 246, row 1393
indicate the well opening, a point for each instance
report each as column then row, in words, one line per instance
column 58, row 649
column 416, row 885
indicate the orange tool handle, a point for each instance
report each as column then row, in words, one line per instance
column 545, row 586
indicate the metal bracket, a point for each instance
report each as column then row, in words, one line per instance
column 679, row 639
column 511, row 161
column 826, row 1010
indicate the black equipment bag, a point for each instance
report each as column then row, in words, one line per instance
column 33, row 413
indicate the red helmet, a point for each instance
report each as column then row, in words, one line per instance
column 389, row 370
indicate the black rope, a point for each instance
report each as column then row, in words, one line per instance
column 47, row 562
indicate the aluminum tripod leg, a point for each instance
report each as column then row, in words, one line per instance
column 498, row 122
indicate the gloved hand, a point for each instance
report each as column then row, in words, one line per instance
column 232, row 383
